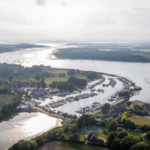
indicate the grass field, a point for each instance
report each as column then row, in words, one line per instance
column 101, row 134
column 135, row 133
column 139, row 120
column 5, row 98
column 57, row 71
column 57, row 78
column 48, row 81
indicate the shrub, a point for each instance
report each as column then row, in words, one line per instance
column 74, row 128
column 63, row 137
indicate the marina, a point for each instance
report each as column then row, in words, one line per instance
column 88, row 100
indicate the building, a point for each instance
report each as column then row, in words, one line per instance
column 93, row 138
column 38, row 93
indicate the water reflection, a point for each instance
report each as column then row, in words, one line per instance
column 25, row 126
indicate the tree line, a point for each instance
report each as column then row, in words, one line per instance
column 96, row 54
column 8, row 109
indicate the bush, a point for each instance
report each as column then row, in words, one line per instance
column 129, row 141
column 147, row 136
column 66, row 129
column 74, row 128
column 130, row 124
column 112, row 125
column 140, row 146
column 128, row 103
column 74, row 137
column 63, row 137
column 105, row 108
column 102, row 123
column 111, row 137
column 122, row 134
column 50, row 136
column 116, row 144
column 105, row 132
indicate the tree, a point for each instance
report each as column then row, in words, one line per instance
column 91, row 75
column 122, row 134
column 43, row 83
column 147, row 136
column 111, row 137
column 105, row 108
column 74, row 128
column 63, row 137
column 137, row 107
column 102, row 123
column 66, row 128
column 128, row 103
column 38, row 77
column 24, row 145
column 113, row 126
column 130, row 124
column 109, row 120
column 116, row 144
column 129, row 141
column 33, row 144
column 60, row 130
column 39, row 140
column 38, row 85
column 140, row 146
column 71, row 72
column 50, row 136
column 11, row 77
column 124, row 117
column 74, row 137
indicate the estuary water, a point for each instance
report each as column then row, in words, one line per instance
column 25, row 126
column 136, row 72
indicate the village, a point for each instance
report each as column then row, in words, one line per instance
column 31, row 101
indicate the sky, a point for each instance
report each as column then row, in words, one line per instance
column 75, row 20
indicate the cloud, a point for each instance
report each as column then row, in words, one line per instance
column 40, row 2
column 63, row 3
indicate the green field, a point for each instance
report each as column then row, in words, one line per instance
column 135, row 133
column 139, row 120
column 5, row 98
column 48, row 81
column 78, row 146
column 57, row 71
column 57, row 78
column 101, row 134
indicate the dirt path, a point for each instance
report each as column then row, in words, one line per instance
column 8, row 99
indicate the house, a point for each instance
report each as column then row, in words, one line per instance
column 93, row 138
column 146, row 106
